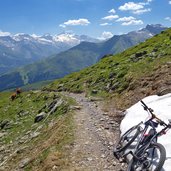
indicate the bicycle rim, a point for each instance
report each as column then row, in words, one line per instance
column 152, row 159
column 128, row 138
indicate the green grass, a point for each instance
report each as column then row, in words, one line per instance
column 55, row 133
column 36, row 86
column 28, row 104
column 57, row 139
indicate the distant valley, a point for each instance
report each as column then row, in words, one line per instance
column 21, row 49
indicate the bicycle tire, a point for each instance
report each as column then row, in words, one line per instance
column 121, row 146
column 158, row 165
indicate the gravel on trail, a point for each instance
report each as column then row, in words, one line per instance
column 95, row 136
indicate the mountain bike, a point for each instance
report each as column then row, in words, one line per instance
column 129, row 137
column 147, row 153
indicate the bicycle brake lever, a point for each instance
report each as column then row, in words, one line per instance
column 145, row 108
column 151, row 110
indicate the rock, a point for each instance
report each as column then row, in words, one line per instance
column 34, row 135
column 54, row 167
column 93, row 99
column 114, row 163
column 55, row 105
column 112, row 122
column 168, row 63
column 115, row 86
column 40, row 127
column 112, row 75
column 21, row 141
column 39, row 117
column 139, row 54
column 111, row 143
column 2, row 134
column 22, row 113
column 89, row 159
column 102, row 119
column 4, row 124
column 106, row 127
column 2, row 149
column 75, row 107
column 94, row 91
column 21, row 149
column 52, row 104
column 152, row 54
column 102, row 156
column 164, row 91
column 24, row 163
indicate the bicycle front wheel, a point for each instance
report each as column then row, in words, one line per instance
column 150, row 159
column 127, row 139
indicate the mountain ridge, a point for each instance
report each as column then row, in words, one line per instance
column 21, row 49
column 82, row 55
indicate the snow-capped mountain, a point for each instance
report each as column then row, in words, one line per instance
column 20, row 49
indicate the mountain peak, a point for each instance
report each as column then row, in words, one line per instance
column 155, row 28
column 21, row 36
column 4, row 34
column 47, row 36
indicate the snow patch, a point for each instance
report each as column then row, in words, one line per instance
column 70, row 38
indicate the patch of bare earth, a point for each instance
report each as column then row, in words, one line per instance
column 95, row 135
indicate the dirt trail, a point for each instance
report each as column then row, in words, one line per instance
column 95, row 135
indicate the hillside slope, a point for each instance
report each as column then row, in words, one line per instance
column 29, row 143
column 137, row 72
column 76, row 58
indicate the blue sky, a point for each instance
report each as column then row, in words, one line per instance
column 91, row 17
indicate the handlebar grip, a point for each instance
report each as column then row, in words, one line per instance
column 147, row 108
column 144, row 104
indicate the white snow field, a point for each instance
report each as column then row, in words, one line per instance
column 162, row 108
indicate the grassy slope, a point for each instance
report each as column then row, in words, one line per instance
column 55, row 131
column 125, row 74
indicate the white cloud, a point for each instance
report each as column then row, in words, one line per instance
column 131, row 6
column 81, row 21
column 146, row 3
column 126, row 19
column 62, row 25
column 133, row 22
column 110, row 17
column 136, row 8
column 141, row 11
column 170, row 2
column 112, row 11
column 129, row 21
column 168, row 18
column 106, row 35
column 4, row 33
column 105, row 24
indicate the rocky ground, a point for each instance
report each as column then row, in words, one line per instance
column 95, row 135
column 96, row 131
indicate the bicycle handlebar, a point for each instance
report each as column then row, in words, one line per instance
column 146, row 107
column 152, row 114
